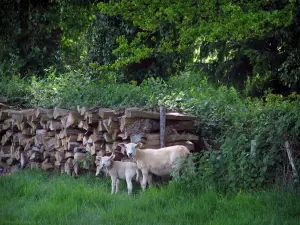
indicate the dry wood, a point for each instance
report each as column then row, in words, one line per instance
column 108, row 147
column 9, row 161
column 7, row 124
column 72, row 138
column 101, row 127
column 115, row 134
column 6, row 149
column 72, row 145
column 6, row 138
column 28, row 131
column 49, row 143
column 138, row 113
column 105, row 113
column 49, row 154
column 38, row 139
column 17, row 152
column 108, row 137
column 69, row 154
column 125, row 122
column 47, row 165
column 23, row 126
column 36, row 156
column 59, row 156
column 68, row 166
column 181, row 125
column 80, row 137
column 58, row 113
column 97, row 136
column 4, row 114
column 47, row 113
column 54, row 125
column 73, row 119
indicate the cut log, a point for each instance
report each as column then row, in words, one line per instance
column 181, row 125
column 69, row 131
column 173, row 138
column 69, row 155
column 58, row 113
column 101, row 127
column 28, row 131
column 68, row 166
column 6, row 138
column 49, row 143
column 125, row 122
column 108, row 147
column 59, row 156
column 110, row 125
column 72, row 145
column 96, row 137
column 6, row 149
column 108, row 137
column 4, row 114
column 80, row 137
column 73, row 119
column 49, row 154
column 105, row 113
column 36, row 156
column 46, row 113
column 72, row 138
column 138, row 113
column 38, row 139
column 47, row 165
column 54, row 125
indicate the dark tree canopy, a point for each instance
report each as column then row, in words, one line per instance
column 252, row 45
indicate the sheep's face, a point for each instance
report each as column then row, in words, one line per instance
column 130, row 148
column 105, row 162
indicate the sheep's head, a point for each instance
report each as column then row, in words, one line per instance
column 130, row 148
column 105, row 162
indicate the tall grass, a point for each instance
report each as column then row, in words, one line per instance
column 36, row 197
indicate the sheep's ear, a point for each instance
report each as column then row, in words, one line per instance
column 112, row 156
column 123, row 148
column 98, row 157
column 139, row 145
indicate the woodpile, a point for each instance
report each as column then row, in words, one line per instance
column 63, row 139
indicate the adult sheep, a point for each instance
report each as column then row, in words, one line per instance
column 160, row 162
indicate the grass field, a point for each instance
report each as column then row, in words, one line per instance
column 36, row 197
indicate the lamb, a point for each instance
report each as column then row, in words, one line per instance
column 160, row 162
column 118, row 170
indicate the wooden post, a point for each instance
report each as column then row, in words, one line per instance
column 290, row 156
column 253, row 148
column 162, row 136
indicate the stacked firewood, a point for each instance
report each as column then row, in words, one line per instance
column 59, row 138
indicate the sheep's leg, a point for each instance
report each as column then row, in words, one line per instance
column 145, row 179
column 117, row 185
column 129, row 184
column 150, row 179
column 76, row 169
column 113, row 184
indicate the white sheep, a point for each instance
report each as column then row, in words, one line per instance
column 118, row 170
column 160, row 162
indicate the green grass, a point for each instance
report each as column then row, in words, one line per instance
column 36, row 197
